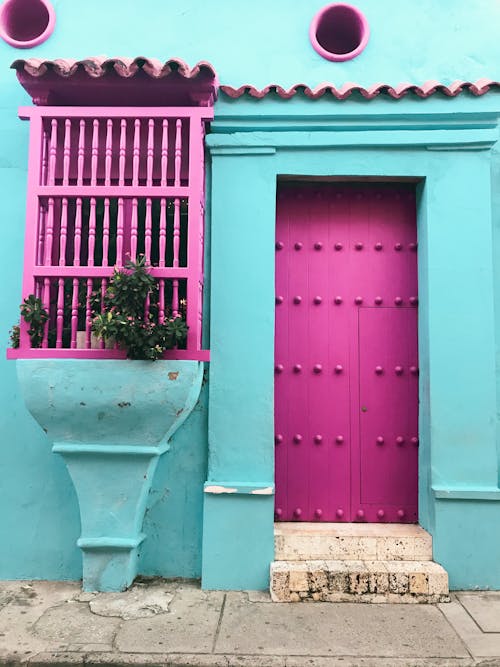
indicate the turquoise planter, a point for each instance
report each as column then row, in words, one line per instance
column 110, row 421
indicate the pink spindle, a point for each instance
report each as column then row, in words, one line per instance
column 41, row 233
column 74, row 313
column 104, row 287
column 200, row 312
column 66, row 150
column 105, row 233
column 175, row 297
column 63, row 233
column 88, row 314
column 78, row 232
column 178, row 152
column 45, row 150
column 122, row 152
column 81, row 153
column 137, row 152
column 147, row 231
column 49, row 234
column 151, row 138
column 133, row 231
column 109, row 152
column 164, row 153
column 163, row 231
column 119, row 233
column 92, row 225
column 60, row 312
column 161, row 301
column 53, row 152
column 95, row 152
column 177, row 230
column 176, row 244
column 46, row 305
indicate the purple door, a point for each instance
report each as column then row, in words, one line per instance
column 346, row 357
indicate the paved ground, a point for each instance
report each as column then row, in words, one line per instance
column 177, row 624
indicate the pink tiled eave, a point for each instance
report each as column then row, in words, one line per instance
column 117, row 81
column 479, row 87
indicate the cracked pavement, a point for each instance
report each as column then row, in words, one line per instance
column 175, row 623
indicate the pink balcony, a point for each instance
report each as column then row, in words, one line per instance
column 106, row 185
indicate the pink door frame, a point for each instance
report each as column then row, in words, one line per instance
column 346, row 373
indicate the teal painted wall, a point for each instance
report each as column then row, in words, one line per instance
column 259, row 43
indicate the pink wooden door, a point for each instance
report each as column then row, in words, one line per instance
column 346, row 364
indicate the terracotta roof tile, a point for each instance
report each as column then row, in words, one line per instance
column 479, row 87
column 99, row 66
column 103, row 81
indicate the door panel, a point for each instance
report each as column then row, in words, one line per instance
column 388, row 413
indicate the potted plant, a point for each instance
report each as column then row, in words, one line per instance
column 125, row 319
column 36, row 316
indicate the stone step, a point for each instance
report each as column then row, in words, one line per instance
column 351, row 541
column 358, row 581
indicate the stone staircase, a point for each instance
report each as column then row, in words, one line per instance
column 355, row 562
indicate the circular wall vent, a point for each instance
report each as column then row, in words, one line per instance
column 339, row 32
column 26, row 23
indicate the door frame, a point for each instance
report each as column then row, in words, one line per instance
column 449, row 163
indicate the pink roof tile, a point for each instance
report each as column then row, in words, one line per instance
column 99, row 66
column 479, row 87
column 116, row 81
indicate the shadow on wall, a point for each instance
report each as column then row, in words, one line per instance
column 174, row 514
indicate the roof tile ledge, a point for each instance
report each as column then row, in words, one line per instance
column 115, row 81
column 428, row 88
column 99, row 66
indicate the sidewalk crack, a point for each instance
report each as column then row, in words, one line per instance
column 219, row 623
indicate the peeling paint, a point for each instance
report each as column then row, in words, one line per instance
column 267, row 491
column 173, row 375
column 220, row 489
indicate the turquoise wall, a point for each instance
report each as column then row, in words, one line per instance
column 261, row 43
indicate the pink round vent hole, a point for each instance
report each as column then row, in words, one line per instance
column 26, row 23
column 339, row 32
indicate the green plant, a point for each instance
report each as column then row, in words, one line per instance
column 125, row 319
column 15, row 336
column 36, row 316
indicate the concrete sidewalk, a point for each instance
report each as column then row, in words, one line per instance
column 175, row 623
